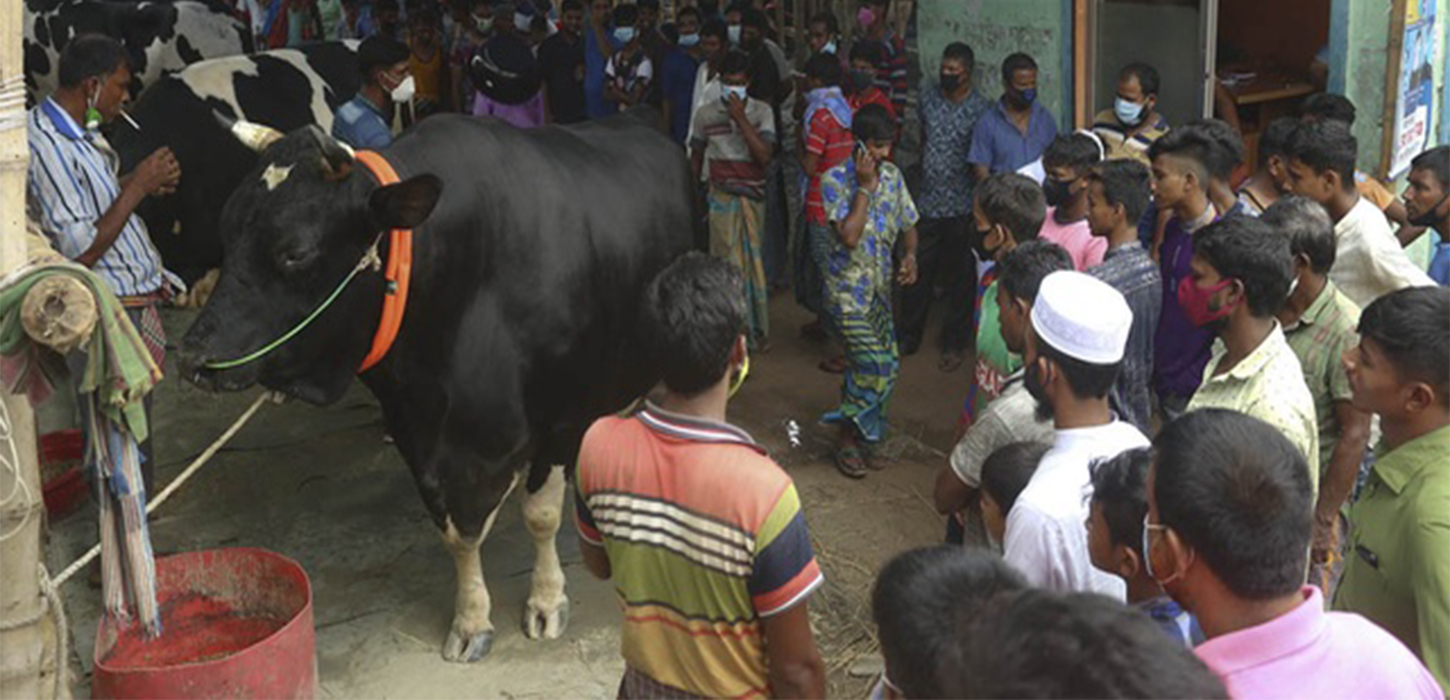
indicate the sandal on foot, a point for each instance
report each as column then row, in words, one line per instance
column 851, row 462
column 834, row 365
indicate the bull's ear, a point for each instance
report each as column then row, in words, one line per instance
column 407, row 203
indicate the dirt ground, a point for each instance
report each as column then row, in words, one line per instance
column 320, row 486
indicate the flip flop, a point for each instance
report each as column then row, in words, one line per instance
column 851, row 463
column 834, row 365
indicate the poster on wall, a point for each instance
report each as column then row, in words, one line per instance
column 1416, row 96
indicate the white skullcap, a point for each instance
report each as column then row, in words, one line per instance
column 1082, row 317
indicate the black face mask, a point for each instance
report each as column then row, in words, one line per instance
column 1017, row 100
column 1033, row 384
column 1057, row 191
column 1430, row 217
column 950, row 82
column 979, row 244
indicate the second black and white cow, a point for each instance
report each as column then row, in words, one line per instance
column 530, row 251
column 161, row 37
column 286, row 88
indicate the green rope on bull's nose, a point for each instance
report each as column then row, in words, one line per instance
column 370, row 258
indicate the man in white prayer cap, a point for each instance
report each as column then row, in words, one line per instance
column 1073, row 353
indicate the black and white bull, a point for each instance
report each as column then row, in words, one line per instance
column 286, row 88
column 161, row 37
column 532, row 251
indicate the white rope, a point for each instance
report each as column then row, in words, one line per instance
column 175, row 484
column 10, row 466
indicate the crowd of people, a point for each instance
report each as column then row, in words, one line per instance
column 1202, row 403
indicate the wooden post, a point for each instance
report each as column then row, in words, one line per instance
column 1390, row 117
column 28, row 657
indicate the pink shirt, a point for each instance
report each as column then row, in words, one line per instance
column 1077, row 239
column 1312, row 654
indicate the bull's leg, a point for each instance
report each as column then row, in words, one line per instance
column 547, row 613
column 471, row 636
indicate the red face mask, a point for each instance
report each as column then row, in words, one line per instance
column 1194, row 300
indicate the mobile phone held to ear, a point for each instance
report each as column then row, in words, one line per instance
column 860, row 148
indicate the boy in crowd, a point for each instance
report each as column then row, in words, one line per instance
column 861, row 87
column 1068, row 160
column 1044, row 644
column 1229, row 521
column 1004, row 475
column 1329, row 107
column 1118, row 193
column 1369, row 261
column 1270, row 181
column 1008, row 209
column 828, row 143
column 561, row 64
column 1016, row 130
column 1011, row 416
column 921, row 601
column 891, row 65
column 736, row 135
column 682, row 462
column 365, row 120
column 599, row 46
column 677, row 74
column 948, row 110
column 1180, row 187
column 1134, row 122
column 630, row 71
column 1399, row 572
column 1115, row 540
column 869, row 208
column 1221, row 161
column 1319, row 323
column 1240, row 277
column 1079, row 327
column 1427, row 201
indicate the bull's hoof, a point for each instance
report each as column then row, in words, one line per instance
column 546, row 618
column 467, row 650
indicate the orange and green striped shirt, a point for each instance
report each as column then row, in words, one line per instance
column 705, row 537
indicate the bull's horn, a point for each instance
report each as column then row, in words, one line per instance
column 252, row 135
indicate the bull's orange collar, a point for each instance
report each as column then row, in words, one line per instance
column 397, row 273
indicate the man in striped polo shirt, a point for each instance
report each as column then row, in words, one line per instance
column 84, row 208
column 700, row 530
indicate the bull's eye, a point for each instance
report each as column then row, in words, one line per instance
column 294, row 260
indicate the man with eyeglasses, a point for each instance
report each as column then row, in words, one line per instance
column 1230, row 512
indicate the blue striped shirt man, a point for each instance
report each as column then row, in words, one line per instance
column 71, row 183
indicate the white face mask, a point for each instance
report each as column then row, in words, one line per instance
column 728, row 91
column 404, row 90
column 733, row 31
column 829, row 48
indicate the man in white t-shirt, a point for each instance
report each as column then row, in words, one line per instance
column 714, row 43
column 1080, row 327
column 1369, row 262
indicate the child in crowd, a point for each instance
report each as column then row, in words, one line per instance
column 426, row 63
column 1067, row 161
column 1115, row 540
column 628, row 75
column 860, row 80
column 1118, row 194
column 735, row 135
column 1008, row 209
column 828, row 142
column 1004, row 475
column 869, row 208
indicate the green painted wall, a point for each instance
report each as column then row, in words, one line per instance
column 1365, row 78
column 994, row 29
column 1366, row 83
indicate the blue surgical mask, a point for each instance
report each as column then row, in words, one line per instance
column 734, row 32
column 1029, row 95
column 624, row 35
column 688, row 40
column 728, row 91
column 1129, row 113
column 829, row 48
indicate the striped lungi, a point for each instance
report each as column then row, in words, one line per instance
column 142, row 312
column 870, row 341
